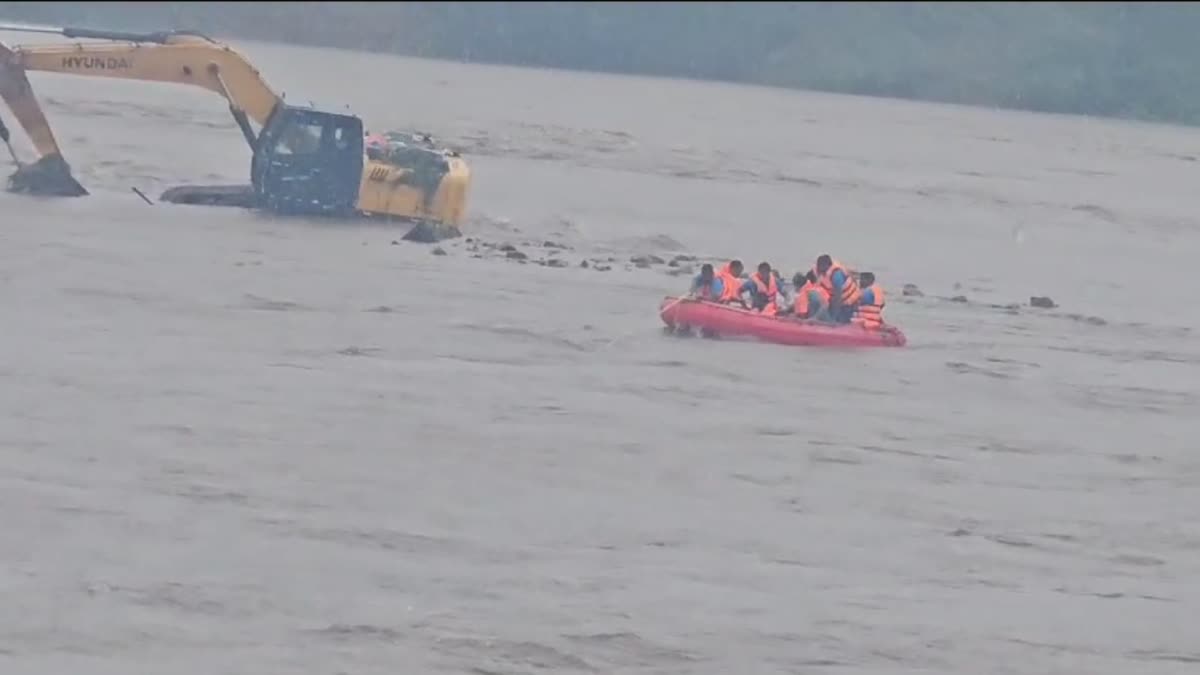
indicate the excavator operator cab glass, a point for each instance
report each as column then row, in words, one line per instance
column 309, row 161
column 299, row 140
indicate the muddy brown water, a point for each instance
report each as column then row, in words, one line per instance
column 237, row 444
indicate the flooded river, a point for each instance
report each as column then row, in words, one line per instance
column 239, row 444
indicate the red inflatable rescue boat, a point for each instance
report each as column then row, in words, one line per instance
column 733, row 321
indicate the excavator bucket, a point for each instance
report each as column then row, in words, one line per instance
column 49, row 175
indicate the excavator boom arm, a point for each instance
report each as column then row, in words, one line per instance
column 169, row 58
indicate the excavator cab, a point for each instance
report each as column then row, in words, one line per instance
column 308, row 161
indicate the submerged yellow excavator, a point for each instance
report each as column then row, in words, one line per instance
column 306, row 160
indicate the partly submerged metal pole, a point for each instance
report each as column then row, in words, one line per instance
column 4, row 136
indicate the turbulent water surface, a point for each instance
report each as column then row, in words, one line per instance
column 237, row 444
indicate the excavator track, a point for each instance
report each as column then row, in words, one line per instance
column 212, row 195
column 422, row 231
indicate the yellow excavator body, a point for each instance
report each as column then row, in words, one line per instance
column 404, row 176
column 383, row 191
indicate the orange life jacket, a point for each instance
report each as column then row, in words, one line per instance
column 731, row 283
column 870, row 316
column 769, row 289
column 802, row 308
column 850, row 290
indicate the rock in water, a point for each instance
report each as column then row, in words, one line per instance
column 429, row 232
column 644, row 261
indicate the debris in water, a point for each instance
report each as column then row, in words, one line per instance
column 514, row 254
column 438, row 250
column 359, row 351
column 1041, row 301
column 142, row 195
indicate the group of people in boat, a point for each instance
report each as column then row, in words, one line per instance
column 828, row 293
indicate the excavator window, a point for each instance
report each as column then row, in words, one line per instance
column 300, row 139
column 341, row 139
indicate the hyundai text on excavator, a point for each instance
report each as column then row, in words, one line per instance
column 305, row 160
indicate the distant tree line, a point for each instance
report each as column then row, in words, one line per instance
column 1118, row 59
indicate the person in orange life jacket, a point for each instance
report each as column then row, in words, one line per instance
column 869, row 313
column 812, row 302
column 731, row 280
column 763, row 290
column 840, row 285
column 707, row 285
column 782, row 299
column 786, row 301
